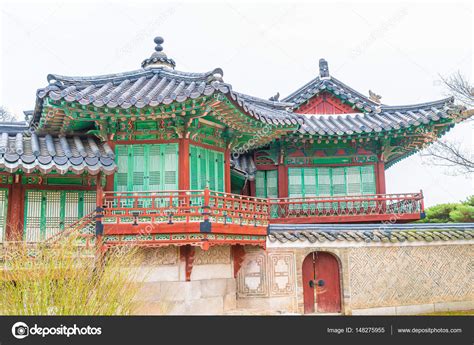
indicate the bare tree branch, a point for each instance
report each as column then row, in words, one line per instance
column 5, row 115
column 448, row 153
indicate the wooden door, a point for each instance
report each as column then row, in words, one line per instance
column 321, row 283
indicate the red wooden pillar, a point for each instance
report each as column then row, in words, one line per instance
column 183, row 165
column 109, row 185
column 15, row 211
column 380, row 183
column 99, row 190
column 252, row 188
column 282, row 181
column 228, row 188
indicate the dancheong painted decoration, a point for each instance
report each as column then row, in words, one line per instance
column 160, row 157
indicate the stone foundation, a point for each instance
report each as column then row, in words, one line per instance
column 164, row 289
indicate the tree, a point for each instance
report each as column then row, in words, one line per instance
column 5, row 115
column 450, row 154
column 462, row 212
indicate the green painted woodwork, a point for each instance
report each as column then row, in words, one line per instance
column 48, row 212
column 266, row 184
column 3, row 212
column 72, row 181
column 168, row 121
column 206, row 169
column 146, row 167
column 331, row 181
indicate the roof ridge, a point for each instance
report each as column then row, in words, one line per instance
column 264, row 101
column 135, row 74
column 442, row 101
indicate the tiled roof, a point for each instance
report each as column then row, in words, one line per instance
column 336, row 87
column 245, row 165
column 154, row 86
column 386, row 118
column 383, row 233
column 27, row 151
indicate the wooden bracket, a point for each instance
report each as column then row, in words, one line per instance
column 238, row 255
column 187, row 254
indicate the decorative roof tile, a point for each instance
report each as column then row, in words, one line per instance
column 387, row 119
column 393, row 233
column 30, row 152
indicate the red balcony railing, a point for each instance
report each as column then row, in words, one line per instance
column 358, row 208
column 184, row 207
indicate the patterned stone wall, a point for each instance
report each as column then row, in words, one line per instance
column 391, row 276
column 267, row 274
column 215, row 255
column 371, row 276
column 266, row 282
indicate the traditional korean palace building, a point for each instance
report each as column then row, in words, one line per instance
column 242, row 203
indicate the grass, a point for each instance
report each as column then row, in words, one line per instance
column 59, row 280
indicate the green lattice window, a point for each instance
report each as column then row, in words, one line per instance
column 146, row 167
column 206, row 168
column 3, row 212
column 331, row 181
column 48, row 212
column 266, row 184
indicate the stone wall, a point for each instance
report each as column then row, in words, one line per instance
column 163, row 288
column 390, row 278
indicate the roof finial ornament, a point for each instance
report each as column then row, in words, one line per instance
column 323, row 68
column 374, row 97
column 158, row 58
column 275, row 98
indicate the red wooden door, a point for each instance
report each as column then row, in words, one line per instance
column 321, row 281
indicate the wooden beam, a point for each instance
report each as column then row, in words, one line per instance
column 282, row 180
column 15, row 211
column 183, row 164
column 109, row 185
column 238, row 255
column 380, row 171
column 227, row 155
column 187, row 254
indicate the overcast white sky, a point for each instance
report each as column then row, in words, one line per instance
column 396, row 49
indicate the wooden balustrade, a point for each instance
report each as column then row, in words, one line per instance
column 225, row 208
column 184, row 207
column 358, row 208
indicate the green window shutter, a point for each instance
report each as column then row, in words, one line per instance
column 295, row 181
column 272, row 183
column 220, row 172
column 53, row 222
column 338, row 181
column 260, row 189
column 90, row 203
column 3, row 212
column 211, row 168
column 73, row 202
column 368, row 179
column 34, row 214
column 203, row 177
column 138, row 168
column 154, row 168
column 324, row 182
column 309, row 180
column 194, row 167
column 121, row 176
column 170, row 167
column 353, row 181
